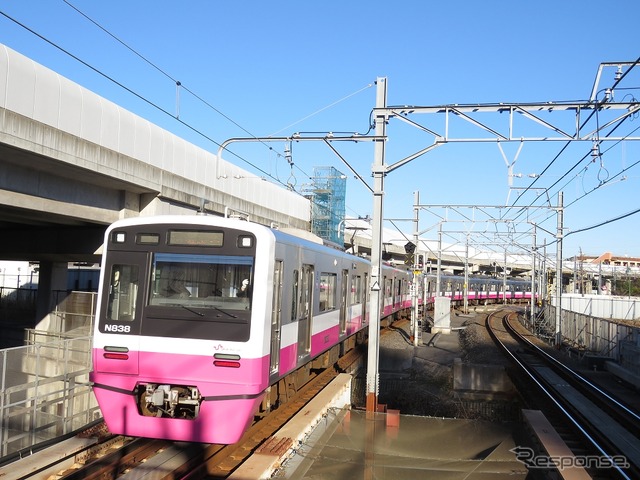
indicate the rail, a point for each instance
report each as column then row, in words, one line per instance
column 606, row 429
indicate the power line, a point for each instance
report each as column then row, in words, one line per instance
column 155, row 66
column 132, row 92
column 158, row 107
column 323, row 109
column 594, row 112
column 180, row 85
column 606, row 222
column 547, row 189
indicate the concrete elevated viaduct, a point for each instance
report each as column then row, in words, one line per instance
column 72, row 162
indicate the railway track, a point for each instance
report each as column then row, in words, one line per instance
column 602, row 433
column 95, row 454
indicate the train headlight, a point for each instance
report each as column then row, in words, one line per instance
column 245, row 241
column 119, row 237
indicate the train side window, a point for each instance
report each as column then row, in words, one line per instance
column 356, row 289
column 294, row 296
column 328, row 291
column 123, row 292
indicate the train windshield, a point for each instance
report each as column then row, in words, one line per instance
column 201, row 281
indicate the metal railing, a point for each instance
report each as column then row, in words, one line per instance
column 596, row 336
column 45, row 392
column 44, row 385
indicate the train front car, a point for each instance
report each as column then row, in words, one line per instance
column 179, row 348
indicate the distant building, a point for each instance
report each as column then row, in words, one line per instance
column 608, row 258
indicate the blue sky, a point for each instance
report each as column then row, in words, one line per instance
column 276, row 68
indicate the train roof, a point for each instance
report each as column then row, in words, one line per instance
column 289, row 235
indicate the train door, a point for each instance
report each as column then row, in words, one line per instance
column 276, row 317
column 383, row 295
column 387, row 297
column 344, row 301
column 305, row 311
column 121, row 312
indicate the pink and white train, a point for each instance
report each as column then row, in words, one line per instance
column 205, row 322
column 480, row 289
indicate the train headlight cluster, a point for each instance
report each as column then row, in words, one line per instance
column 226, row 360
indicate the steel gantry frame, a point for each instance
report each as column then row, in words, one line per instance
column 531, row 111
column 512, row 236
column 534, row 112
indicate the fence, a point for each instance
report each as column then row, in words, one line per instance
column 601, row 306
column 17, row 301
column 44, row 385
column 73, row 312
column 615, row 339
column 45, row 392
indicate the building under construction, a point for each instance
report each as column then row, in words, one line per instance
column 327, row 194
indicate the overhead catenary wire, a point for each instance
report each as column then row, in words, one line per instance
column 594, row 112
column 522, row 210
column 159, row 69
column 601, row 184
column 611, row 180
column 598, row 225
column 210, row 139
column 287, row 184
column 323, row 109
column 180, row 85
column 132, row 92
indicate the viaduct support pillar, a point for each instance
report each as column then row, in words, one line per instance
column 52, row 287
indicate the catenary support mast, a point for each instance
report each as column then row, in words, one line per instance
column 559, row 236
column 379, row 172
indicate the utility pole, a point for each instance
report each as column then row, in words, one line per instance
column 465, row 290
column 414, row 288
column 438, row 288
column 558, row 332
column 504, row 278
column 533, row 276
column 378, row 171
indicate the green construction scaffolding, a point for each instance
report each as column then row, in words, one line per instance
column 327, row 194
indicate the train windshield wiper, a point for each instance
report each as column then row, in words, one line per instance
column 192, row 310
column 225, row 312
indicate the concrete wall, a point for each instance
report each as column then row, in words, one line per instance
column 470, row 377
